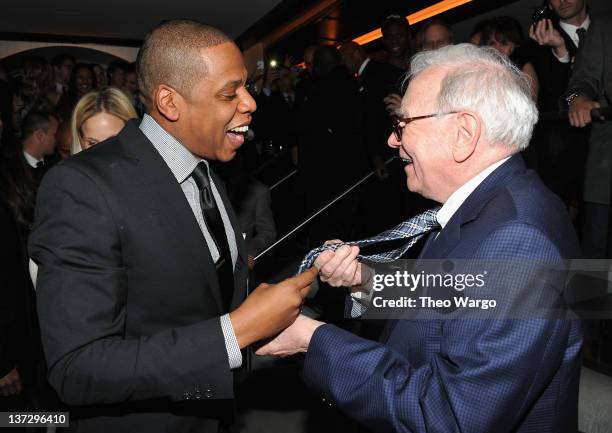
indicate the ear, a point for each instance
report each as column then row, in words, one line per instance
column 467, row 134
column 168, row 102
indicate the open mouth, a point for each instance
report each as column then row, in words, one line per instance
column 239, row 130
column 407, row 161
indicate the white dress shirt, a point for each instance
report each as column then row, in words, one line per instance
column 362, row 295
column 182, row 163
column 32, row 162
column 570, row 29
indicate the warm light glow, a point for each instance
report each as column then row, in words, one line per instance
column 368, row 37
column 414, row 18
column 434, row 10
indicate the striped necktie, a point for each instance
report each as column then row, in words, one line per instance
column 412, row 230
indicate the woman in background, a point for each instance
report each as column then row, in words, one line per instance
column 99, row 115
column 82, row 80
column 506, row 36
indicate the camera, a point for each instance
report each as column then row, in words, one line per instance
column 542, row 12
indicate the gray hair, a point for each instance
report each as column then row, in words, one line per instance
column 481, row 80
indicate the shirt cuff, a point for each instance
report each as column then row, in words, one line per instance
column 231, row 343
column 361, row 298
column 564, row 59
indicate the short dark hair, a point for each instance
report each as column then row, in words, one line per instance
column 326, row 58
column 170, row 55
column 59, row 59
column 116, row 64
column 503, row 29
column 396, row 19
column 34, row 121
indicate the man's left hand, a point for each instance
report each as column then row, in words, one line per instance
column 294, row 339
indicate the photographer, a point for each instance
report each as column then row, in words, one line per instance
column 559, row 151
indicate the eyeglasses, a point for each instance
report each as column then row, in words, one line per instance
column 399, row 123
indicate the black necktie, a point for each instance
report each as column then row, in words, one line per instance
column 581, row 34
column 214, row 222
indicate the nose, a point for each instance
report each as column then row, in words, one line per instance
column 247, row 104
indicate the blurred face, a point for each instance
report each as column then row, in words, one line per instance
column 64, row 141
column 99, row 127
column 48, row 140
column 131, row 82
column 425, row 145
column 63, row 72
column 218, row 111
column 567, row 9
column 350, row 59
column 117, row 78
column 436, row 36
column 396, row 39
column 506, row 48
column 100, row 75
column 84, row 81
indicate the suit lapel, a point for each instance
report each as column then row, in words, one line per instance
column 155, row 177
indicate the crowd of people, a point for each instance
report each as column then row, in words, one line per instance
column 341, row 117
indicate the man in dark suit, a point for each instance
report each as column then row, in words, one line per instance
column 39, row 129
column 591, row 87
column 559, row 151
column 142, row 266
column 376, row 81
column 461, row 373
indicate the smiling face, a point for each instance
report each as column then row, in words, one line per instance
column 99, row 127
column 213, row 119
column 83, row 80
column 425, row 145
column 396, row 39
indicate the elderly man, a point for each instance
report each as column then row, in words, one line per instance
column 142, row 265
column 460, row 146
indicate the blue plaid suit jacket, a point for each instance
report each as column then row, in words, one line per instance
column 467, row 375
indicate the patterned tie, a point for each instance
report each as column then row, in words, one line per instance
column 412, row 230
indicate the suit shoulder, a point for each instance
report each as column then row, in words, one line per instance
column 535, row 209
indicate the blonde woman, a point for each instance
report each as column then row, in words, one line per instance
column 99, row 115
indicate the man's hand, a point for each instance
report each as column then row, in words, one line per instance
column 270, row 308
column 294, row 339
column 580, row 111
column 393, row 103
column 10, row 384
column 339, row 268
column 544, row 33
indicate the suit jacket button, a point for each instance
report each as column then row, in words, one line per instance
column 208, row 394
column 187, row 396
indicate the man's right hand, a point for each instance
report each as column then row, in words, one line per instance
column 270, row 308
column 544, row 33
column 10, row 384
column 580, row 111
column 340, row 268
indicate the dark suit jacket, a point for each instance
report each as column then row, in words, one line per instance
column 592, row 77
column 19, row 339
column 469, row 375
column 377, row 81
column 128, row 297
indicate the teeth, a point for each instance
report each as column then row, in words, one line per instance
column 407, row 160
column 240, row 129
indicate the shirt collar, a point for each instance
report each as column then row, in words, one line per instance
column 32, row 162
column 457, row 198
column 178, row 158
column 570, row 29
column 362, row 67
